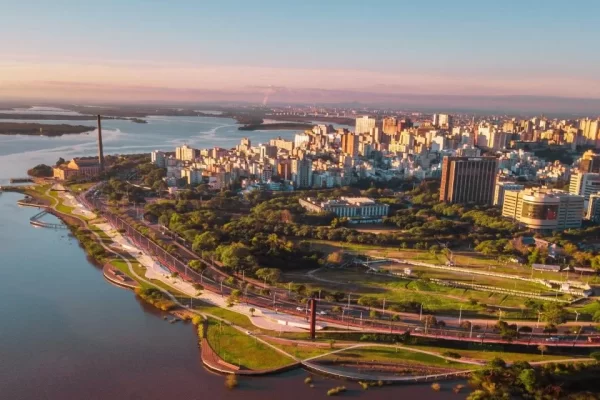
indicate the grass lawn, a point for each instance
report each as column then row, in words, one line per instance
column 232, row 316
column 465, row 277
column 396, row 354
column 241, row 349
column 303, row 352
column 486, row 355
column 396, row 289
column 80, row 187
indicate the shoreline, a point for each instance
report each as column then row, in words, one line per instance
column 75, row 222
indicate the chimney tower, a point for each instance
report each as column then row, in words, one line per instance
column 100, row 147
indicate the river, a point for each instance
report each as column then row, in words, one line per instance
column 66, row 333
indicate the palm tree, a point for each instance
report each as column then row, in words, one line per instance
column 542, row 348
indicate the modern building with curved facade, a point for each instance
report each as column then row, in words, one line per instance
column 543, row 209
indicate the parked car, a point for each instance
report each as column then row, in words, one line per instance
column 299, row 308
column 322, row 312
column 553, row 339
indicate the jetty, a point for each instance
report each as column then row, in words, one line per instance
column 20, row 180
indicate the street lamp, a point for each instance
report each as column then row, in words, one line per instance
column 460, row 315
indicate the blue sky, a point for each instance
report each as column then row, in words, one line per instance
column 545, row 41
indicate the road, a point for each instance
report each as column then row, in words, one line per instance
column 353, row 317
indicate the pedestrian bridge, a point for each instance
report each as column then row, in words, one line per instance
column 36, row 221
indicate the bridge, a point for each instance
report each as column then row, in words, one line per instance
column 36, row 221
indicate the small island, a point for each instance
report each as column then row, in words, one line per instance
column 138, row 120
column 51, row 130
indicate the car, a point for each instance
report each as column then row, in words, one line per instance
column 299, row 309
column 418, row 329
column 480, row 336
column 249, row 333
column 322, row 312
column 552, row 339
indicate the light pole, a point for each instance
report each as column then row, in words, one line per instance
column 383, row 306
column 421, row 313
column 471, row 333
column 202, row 273
column 349, row 294
column 222, row 286
column 460, row 315
column 576, row 316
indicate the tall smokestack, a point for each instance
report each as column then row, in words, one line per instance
column 100, row 147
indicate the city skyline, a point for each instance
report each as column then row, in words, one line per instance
column 309, row 52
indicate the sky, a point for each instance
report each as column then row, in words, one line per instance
column 288, row 50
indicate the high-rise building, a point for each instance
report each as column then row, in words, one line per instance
column 590, row 162
column 365, row 124
column 350, row 143
column 404, row 124
column 543, row 209
column 389, row 126
column 192, row 176
column 158, row 158
column 302, row 172
column 468, row 180
column 501, row 188
column 284, row 169
column 593, row 209
column 185, row 153
column 442, row 121
column 498, row 140
column 584, row 184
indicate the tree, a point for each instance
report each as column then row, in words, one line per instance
column 236, row 256
column 197, row 265
column 595, row 355
column 40, row 171
column 335, row 258
column 430, row 321
column 508, row 332
column 542, row 349
column 336, row 309
column 373, row 314
column 205, row 241
column 367, row 301
column 271, row 275
column 252, row 310
column 555, row 314
column 528, row 378
column 60, row 161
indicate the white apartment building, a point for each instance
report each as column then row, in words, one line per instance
column 364, row 124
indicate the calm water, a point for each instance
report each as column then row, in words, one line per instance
column 65, row 333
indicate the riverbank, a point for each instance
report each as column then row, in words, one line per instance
column 248, row 347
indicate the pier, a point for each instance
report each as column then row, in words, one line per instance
column 20, row 180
